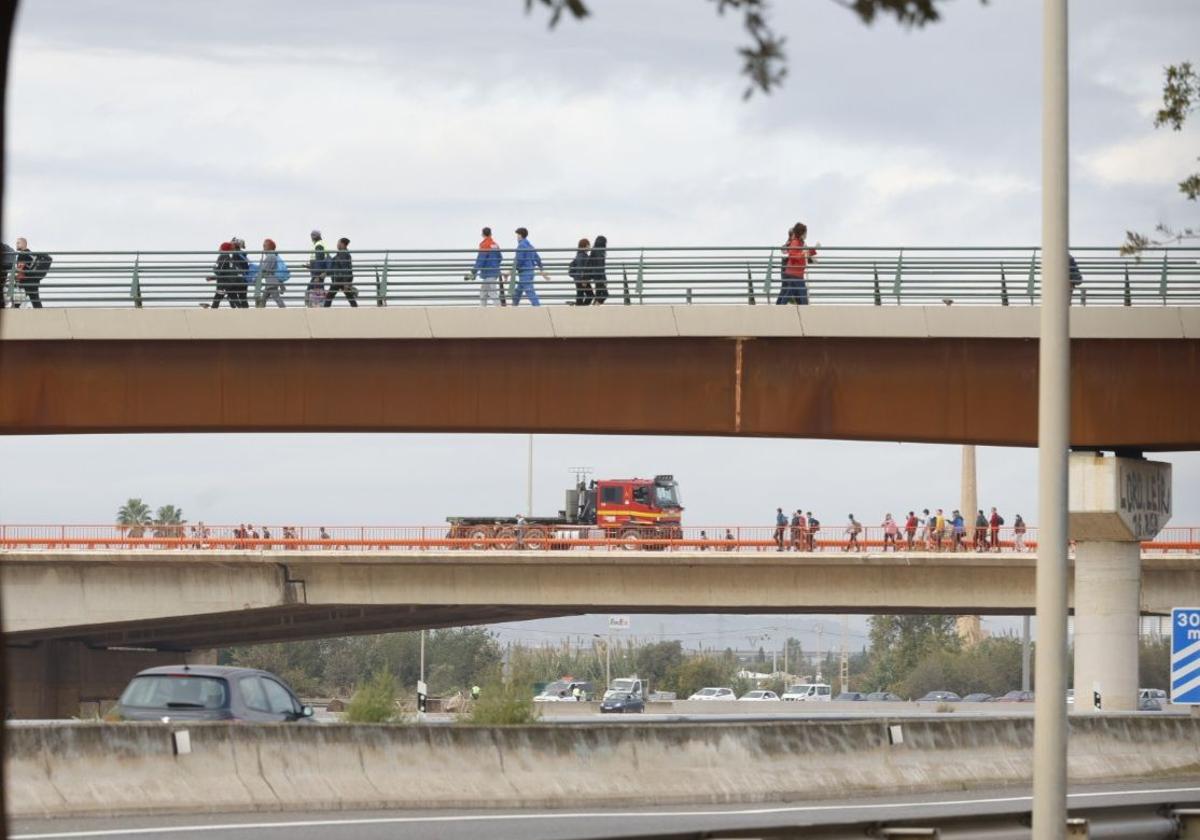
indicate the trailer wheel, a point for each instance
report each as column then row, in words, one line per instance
column 479, row 537
column 506, row 538
column 535, row 539
column 631, row 539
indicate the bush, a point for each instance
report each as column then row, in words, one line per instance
column 374, row 702
column 503, row 705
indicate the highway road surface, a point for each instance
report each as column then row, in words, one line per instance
column 581, row 824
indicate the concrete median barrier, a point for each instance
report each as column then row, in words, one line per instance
column 132, row 768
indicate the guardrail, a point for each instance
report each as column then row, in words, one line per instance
column 200, row 537
column 879, row 276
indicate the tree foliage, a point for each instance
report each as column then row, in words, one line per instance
column 375, row 701
column 764, row 61
column 134, row 516
column 169, row 521
column 899, row 642
column 1180, row 99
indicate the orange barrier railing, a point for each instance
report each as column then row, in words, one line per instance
column 531, row 537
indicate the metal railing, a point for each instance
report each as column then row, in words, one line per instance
column 203, row 537
column 879, row 276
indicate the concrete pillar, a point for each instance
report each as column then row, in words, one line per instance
column 1108, row 580
column 1115, row 503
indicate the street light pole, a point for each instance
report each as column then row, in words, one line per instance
column 1054, row 376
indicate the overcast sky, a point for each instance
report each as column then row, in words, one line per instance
column 172, row 124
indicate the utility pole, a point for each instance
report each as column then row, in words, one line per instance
column 1054, row 423
column 1025, row 653
column 820, row 628
column 529, row 479
column 844, row 664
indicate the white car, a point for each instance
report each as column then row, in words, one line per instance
column 809, row 692
column 759, row 695
column 714, row 694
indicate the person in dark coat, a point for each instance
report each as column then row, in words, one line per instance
column 581, row 274
column 597, row 271
column 225, row 275
column 341, row 274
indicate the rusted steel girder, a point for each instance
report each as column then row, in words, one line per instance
column 1126, row 393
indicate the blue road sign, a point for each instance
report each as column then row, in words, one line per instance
column 1185, row 655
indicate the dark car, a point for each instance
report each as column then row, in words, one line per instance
column 940, row 697
column 1016, row 697
column 209, row 692
column 884, row 697
column 620, row 702
column 851, row 695
column 978, row 697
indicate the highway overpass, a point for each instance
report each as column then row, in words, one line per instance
column 951, row 374
column 78, row 623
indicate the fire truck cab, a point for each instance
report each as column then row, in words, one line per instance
column 639, row 503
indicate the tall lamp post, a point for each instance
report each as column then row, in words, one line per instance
column 1054, row 375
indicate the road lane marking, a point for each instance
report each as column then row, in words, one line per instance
column 743, row 812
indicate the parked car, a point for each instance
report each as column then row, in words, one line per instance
column 620, row 702
column 1151, row 699
column 1017, row 696
column 978, row 697
column 563, row 691
column 850, row 695
column 884, row 697
column 759, row 695
column 801, row 692
column 209, row 692
column 940, row 697
column 714, row 694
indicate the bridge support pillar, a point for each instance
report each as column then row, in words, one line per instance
column 64, row 679
column 1115, row 503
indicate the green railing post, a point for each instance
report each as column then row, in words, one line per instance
column 750, row 286
column 1003, row 287
column 381, row 283
column 1128, row 290
column 899, row 273
column 1162, row 280
column 625, row 284
column 770, row 274
column 135, row 286
column 641, row 277
column 878, row 296
column 1032, row 273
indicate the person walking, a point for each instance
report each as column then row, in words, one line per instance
column 960, row 531
column 981, row 527
column 597, row 271
column 796, row 532
column 853, row 529
column 29, row 273
column 994, row 523
column 797, row 256
column 781, row 522
column 224, row 276
column 274, row 273
column 910, row 530
column 814, row 526
column 580, row 272
column 341, row 275
column 318, row 266
column 938, row 529
column 1019, row 534
column 525, row 262
column 240, row 274
column 891, row 531
column 487, row 269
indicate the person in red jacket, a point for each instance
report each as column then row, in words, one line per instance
column 796, row 258
column 994, row 523
column 910, row 529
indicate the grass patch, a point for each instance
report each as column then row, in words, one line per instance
column 374, row 702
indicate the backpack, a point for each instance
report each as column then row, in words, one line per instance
column 815, row 525
column 857, row 528
column 282, row 273
column 38, row 268
column 1001, row 519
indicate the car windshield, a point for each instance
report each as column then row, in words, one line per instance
column 176, row 691
column 666, row 495
column 554, row 689
column 707, row 692
column 622, row 685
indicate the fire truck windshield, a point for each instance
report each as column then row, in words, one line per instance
column 666, row 495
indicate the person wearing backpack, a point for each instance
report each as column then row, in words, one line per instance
column 274, row 273
column 341, row 275
column 981, row 527
column 796, row 258
column 910, row 530
column 318, row 267
column 814, row 526
column 853, row 529
column 1019, row 533
column 30, row 269
column 994, row 524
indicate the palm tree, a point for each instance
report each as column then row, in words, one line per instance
column 169, row 521
column 134, row 516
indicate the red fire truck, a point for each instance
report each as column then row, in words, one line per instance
column 632, row 510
